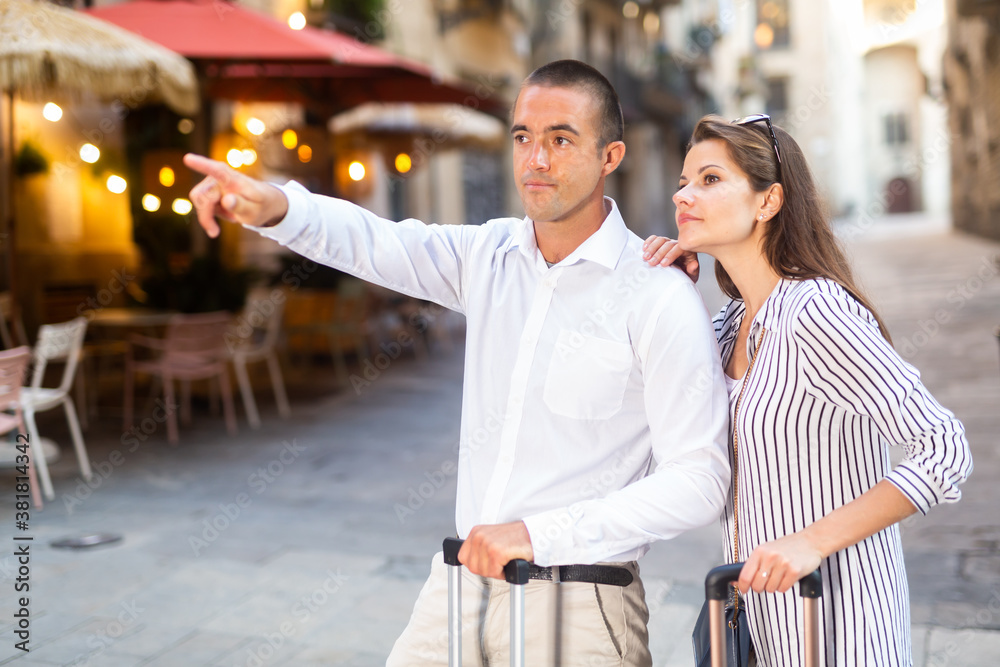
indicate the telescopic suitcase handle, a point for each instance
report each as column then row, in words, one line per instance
column 717, row 584
column 516, row 574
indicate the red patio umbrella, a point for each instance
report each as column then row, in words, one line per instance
column 244, row 55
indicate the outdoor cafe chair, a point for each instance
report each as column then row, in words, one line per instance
column 8, row 321
column 56, row 342
column 256, row 339
column 349, row 327
column 13, row 366
column 193, row 348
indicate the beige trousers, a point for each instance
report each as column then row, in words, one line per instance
column 567, row 624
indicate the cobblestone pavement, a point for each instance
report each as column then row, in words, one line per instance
column 306, row 542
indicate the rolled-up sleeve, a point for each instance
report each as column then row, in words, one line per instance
column 848, row 363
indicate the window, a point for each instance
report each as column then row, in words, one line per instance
column 772, row 25
column 777, row 98
column 897, row 131
column 483, row 186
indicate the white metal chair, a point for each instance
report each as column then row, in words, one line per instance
column 13, row 366
column 56, row 342
column 257, row 334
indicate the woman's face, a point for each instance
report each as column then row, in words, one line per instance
column 716, row 207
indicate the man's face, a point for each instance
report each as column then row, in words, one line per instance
column 557, row 164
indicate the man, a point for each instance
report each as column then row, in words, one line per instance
column 593, row 418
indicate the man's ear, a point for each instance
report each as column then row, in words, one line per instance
column 613, row 153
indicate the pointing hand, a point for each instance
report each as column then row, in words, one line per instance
column 233, row 196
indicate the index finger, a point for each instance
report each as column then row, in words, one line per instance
column 220, row 171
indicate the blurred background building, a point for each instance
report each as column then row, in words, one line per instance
column 895, row 103
column 972, row 77
column 857, row 83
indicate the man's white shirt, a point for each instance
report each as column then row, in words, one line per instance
column 594, row 407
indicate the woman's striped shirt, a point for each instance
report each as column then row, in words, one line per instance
column 825, row 399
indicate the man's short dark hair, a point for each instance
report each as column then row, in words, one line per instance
column 581, row 76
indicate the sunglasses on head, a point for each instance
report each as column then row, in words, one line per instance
column 756, row 118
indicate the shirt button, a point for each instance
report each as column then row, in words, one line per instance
column 506, row 459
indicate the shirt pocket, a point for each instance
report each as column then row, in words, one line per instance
column 587, row 376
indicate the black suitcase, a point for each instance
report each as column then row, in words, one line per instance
column 717, row 584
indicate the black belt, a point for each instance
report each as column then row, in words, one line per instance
column 612, row 575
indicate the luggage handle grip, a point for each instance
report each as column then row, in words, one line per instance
column 515, row 572
column 719, row 578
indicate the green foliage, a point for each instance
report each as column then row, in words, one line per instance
column 358, row 10
column 360, row 18
column 30, row 160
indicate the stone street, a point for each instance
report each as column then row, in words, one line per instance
column 305, row 543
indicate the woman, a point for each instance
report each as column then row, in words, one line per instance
column 824, row 396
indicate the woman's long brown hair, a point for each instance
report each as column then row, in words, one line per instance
column 798, row 242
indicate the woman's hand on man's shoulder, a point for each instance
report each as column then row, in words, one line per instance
column 663, row 251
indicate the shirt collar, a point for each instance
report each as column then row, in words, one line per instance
column 769, row 313
column 767, row 316
column 603, row 246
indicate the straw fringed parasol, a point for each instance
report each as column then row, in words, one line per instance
column 51, row 53
column 47, row 50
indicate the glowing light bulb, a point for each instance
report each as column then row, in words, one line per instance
column 181, row 206
column 51, row 112
column 235, row 158
column 151, row 203
column 289, row 139
column 630, row 10
column 356, row 171
column 167, row 177
column 249, row 156
column 297, row 21
column 403, row 163
column 90, row 153
column 185, row 126
column 305, row 153
column 256, row 127
column 117, row 184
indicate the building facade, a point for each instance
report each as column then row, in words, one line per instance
column 972, row 74
column 858, row 84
